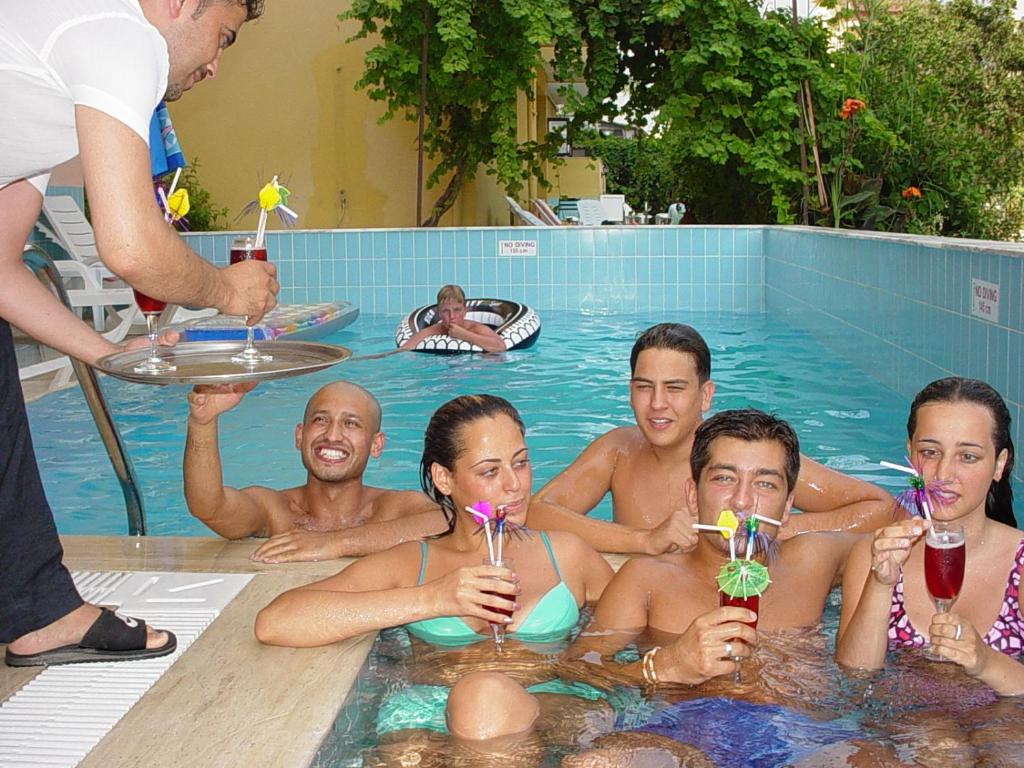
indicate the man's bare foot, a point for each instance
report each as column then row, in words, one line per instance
column 69, row 630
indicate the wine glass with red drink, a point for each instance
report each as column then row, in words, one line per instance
column 244, row 249
column 151, row 308
column 751, row 603
column 945, row 555
column 498, row 630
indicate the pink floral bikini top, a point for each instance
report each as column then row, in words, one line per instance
column 1006, row 635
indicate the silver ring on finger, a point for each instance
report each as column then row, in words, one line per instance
column 728, row 649
column 959, row 631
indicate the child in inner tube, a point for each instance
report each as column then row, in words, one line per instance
column 451, row 311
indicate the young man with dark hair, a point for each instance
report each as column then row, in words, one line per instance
column 645, row 467
column 745, row 461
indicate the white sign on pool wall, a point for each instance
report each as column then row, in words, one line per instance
column 517, row 247
column 985, row 300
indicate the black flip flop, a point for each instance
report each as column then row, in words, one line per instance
column 110, row 638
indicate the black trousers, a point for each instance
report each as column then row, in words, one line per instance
column 35, row 587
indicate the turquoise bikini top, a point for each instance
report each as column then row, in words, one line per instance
column 552, row 618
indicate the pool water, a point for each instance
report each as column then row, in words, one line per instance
column 571, row 387
column 794, row 707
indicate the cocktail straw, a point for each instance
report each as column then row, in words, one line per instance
column 899, row 467
column 499, row 529
column 751, row 530
column 764, row 519
column 922, row 498
column 167, row 206
column 715, row 528
column 926, row 509
column 732, row 547
column 261, row 228
column 174, row 182
column 168, row 214
column 484, row 520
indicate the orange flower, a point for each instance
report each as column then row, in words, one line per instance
column 851, row 107
column 910, row 192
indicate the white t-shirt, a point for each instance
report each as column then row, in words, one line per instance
column 55, row 54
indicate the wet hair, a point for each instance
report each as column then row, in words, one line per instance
column 375, row 413
column 442, row 442
column 749, row 425
column 953, row 389
column 451, row 293
column 253, row 8
column 678, row 337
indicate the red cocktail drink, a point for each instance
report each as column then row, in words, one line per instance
column 237, row 254
column 246, row 249
column 498, row 630
column 945, row 555
column 151, row 308
column 504, row 611
column 751, row 603
column 148, row 304
column 944, row 567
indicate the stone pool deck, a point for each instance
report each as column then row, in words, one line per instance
column 228, row 700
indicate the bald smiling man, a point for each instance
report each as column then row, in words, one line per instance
column 333, row 514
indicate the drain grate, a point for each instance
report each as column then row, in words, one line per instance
column 63, row 712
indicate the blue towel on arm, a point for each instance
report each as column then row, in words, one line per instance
column 165, row 153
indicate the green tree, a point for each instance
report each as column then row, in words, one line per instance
column 480, row 55
column 730, row 114
column 639, row 169
column 946, row 80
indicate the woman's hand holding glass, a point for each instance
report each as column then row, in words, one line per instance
column 479, row 591
column 892, row 546
column 952, row 638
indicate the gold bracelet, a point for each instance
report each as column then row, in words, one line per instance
column 647, row 666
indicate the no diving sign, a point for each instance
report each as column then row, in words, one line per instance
column 985, row 300
column 517, row 247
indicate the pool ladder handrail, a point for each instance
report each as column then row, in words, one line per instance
column 36, row 259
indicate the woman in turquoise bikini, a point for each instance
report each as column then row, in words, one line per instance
column 474, row 450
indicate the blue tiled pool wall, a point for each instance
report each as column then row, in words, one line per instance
column 612, row 269
column 905, row 299
column 901, row 308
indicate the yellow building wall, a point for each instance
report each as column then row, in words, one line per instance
column 284, row 102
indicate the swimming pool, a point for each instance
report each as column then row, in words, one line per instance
column 570, row 388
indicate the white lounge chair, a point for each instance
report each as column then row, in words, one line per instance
column 87, row 280
column 544, row 212
column 524, row 216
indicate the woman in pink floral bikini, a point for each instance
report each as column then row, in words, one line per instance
column 959, row 435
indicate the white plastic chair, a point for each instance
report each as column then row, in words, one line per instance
column 613, row 208
column 591, row 213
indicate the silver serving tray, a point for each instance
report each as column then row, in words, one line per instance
column 209, row 362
